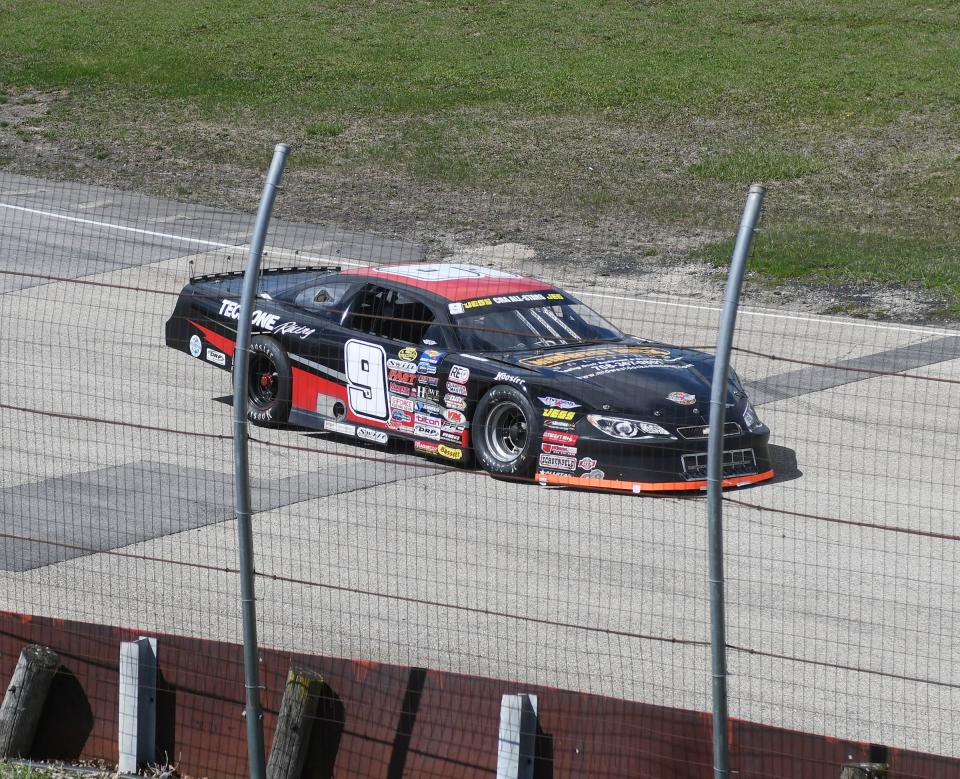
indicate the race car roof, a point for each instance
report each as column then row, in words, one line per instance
column 454, row 281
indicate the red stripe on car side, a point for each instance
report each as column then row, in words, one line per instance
column 306, row 387
column 221, row 342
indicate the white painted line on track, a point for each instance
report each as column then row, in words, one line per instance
column 112, row 226
column 341, row 261
column 185, row 238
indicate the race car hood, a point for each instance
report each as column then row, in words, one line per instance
column 631, row 378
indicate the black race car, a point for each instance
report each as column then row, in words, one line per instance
column 471, row 363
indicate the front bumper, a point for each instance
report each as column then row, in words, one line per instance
column 595, row 461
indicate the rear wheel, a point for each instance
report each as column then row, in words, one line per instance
column 506, row 432
column 269, row 382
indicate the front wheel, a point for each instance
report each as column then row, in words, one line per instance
column 506, row 432
column 269, row 382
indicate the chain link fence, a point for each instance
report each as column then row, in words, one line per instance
column 419, row 587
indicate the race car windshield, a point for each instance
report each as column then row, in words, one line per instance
column 534, row 327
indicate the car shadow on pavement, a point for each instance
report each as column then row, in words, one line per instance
column 784, row 463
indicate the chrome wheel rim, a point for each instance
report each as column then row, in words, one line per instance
column 505, row 433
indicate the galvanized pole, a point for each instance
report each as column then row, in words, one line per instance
column 241, row 471
column 718, row 399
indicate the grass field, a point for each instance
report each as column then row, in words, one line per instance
column 642, row 122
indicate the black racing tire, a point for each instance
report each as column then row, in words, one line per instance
column 269, row 382
column 506, row 432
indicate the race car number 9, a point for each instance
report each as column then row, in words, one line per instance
column 366, row 379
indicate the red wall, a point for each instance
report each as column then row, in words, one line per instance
column 390, row 721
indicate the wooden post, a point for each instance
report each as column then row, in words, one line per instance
column 23, row 702
column 298, row 710
column 864, row 771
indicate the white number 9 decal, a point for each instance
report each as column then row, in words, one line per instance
column 366, row 379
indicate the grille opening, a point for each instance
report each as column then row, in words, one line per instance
column 736, row 462
column 702, row 431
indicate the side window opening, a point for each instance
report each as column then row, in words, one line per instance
column 389, row 313
column 323, row 299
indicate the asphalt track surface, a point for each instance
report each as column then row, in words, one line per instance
column 841, row 575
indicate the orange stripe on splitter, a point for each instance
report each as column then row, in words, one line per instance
column 650, row 486
column 222, row 343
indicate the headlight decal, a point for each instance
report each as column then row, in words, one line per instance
column 627, row 429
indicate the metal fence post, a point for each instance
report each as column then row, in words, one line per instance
column 718, row 398
column 241, row 470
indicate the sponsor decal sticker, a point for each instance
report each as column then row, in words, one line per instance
column 587, row 463
column 292, row 328
column 400, row 389
column 683, row 398
column 568, row 451
column 479, row 303
column 557, row 425
column 558, row 402
column 264, row 320
column 400, row 416
column 407, row 353
column 432, row 433
column 196, row 345
column 401, row 365
column 425, row 446
column 423, row 419
column 339, row 427
column 597, row 353
column 560, row 438
column 459, row 374
column 455, row 308
column 554, row 296
column 449, row 452
column 454, row 401
column 446, row 435
column 528, row 297
column 454, row 417
column 558, row 413
column 430, row 381
column 431, row 356
column 402, row 376
column 428, row 393
column 426, row 368
column 426, row 407
column 404, row 404
column 217, row 358
column 377, row 436
column 595, row 475
column 562, row 463
column 508, row 377
column 456, row 389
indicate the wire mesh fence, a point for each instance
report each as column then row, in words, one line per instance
column 387, row 555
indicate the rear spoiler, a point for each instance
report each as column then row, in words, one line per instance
column 273, row 271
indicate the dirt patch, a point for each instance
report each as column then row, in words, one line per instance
column 22, row 135
column 587, row 198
